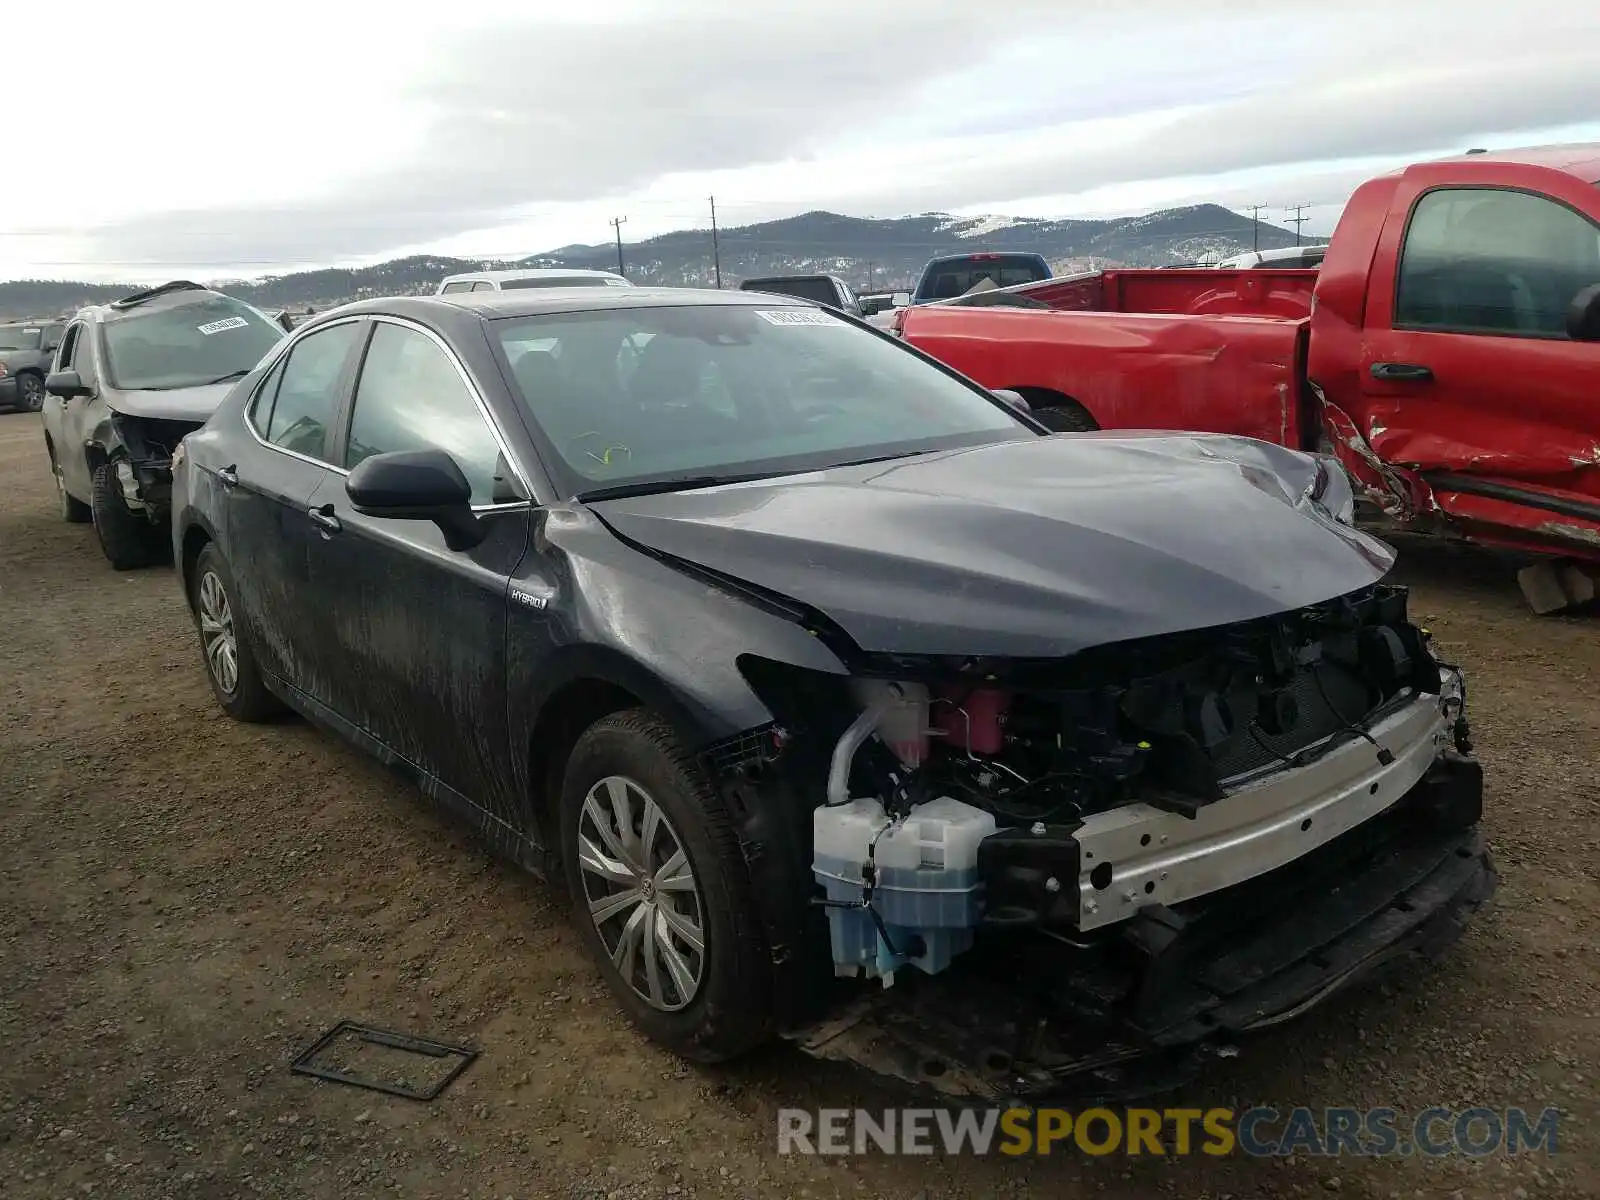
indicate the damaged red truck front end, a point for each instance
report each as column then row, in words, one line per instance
column 1447, row 351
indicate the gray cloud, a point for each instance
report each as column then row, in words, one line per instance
column 535, row 114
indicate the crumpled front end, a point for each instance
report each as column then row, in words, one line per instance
column 141, row 450
column 1037, row 871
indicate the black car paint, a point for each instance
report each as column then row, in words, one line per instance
column 1037, row 548
column 474, row 664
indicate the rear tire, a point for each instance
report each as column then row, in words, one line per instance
column 30, row 392
column 1065, row 418
column 225, row 645
column 689, row 881
column 128, row 540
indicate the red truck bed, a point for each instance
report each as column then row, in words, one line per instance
column 1219, row 351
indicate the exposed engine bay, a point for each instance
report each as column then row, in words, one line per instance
column 142, row 448
column 1065, row 810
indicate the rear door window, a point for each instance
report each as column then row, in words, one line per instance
column 308, row 391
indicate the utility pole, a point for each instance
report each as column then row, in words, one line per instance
column 1299, row 219
column 616, row 223
column 870, row 266
column 716, row 249
column 1255, row 226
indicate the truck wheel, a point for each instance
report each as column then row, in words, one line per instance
column 73, row 510
column 1065, row 418
column 30, row 392
column 230, row 665
column 128, row 540
column 661, row 892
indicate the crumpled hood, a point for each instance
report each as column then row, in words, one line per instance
column 175, row 404
column 1041, row 547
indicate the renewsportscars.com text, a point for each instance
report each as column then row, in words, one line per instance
column 1255, row 1132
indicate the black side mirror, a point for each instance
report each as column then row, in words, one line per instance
column 1015, row 399
column 417, row 485
column 286, row 322
column 65, row 384
column 1583, row 317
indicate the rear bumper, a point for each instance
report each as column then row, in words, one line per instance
column 1026, row 1018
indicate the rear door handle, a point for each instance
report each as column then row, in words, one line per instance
column 1402, row 372
column 228, row 477
column 323, row 518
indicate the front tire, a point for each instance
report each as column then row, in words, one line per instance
column 129, row 542
column 661, row 892
column 230, row 664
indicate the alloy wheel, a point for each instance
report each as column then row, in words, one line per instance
column 217, row 633
column 32, row 393
column 642, row 894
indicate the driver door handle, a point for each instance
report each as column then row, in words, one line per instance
column 228, row 476
column 324, row 519
column 1395, row 372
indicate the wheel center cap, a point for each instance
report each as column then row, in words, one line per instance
column 648, row 888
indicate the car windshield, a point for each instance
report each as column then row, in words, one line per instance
column 187, row 345
column 633, row 396
column 20, row 337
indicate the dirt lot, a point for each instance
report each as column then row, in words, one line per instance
column 189, row 902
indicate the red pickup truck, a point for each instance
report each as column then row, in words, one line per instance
column 1448, row 351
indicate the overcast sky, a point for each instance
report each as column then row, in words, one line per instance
column 252, row 139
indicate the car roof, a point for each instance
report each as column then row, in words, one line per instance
column 541, row 301
column 155, row 301
column 531, row 273
column 1573, row 158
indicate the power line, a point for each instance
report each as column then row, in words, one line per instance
column 716, row 249
column 1255, row 226
column 617, row 223
column 1298, row 219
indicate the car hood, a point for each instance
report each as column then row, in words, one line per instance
column 1033, row 548
column 172, row 404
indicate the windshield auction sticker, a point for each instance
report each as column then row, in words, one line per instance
column 211, row 327
column 794, row 316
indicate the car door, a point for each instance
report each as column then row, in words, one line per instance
column 65, row 420
column 1467, row 369
column 421, row 629
column 282, row 459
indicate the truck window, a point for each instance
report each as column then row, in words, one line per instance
column 459, row 285
column 1484, row 260
column 955, row 277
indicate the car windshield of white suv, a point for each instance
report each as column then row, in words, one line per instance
column 190, row 345
column 20, row 337
column 630, row 397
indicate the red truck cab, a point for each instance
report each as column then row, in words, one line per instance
column 1433, row 352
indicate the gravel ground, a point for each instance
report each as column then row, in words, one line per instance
column 190, row 902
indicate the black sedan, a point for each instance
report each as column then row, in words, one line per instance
column 678, row 596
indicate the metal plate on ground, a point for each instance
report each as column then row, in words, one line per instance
column 381, row 1060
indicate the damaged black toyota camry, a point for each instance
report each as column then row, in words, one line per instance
column 811, row 668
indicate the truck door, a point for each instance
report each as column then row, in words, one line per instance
column 1468, row 377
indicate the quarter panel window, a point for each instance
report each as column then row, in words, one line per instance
column 308, row 390
column 450, row 289
column 411, row 396
column 261, row 405
column 1482, row 260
